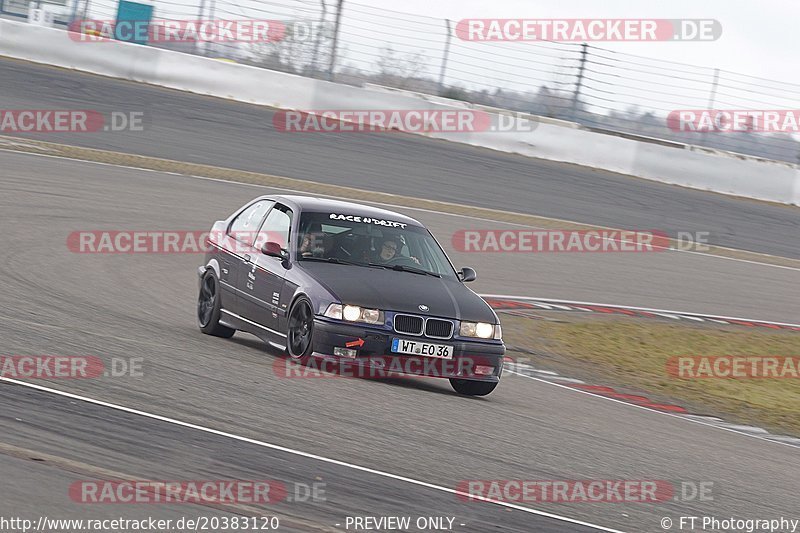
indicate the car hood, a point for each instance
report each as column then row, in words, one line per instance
column 390, row 290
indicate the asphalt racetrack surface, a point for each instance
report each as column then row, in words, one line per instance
column 199, row 129
column 118, row 307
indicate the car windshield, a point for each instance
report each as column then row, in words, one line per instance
column 371, row 242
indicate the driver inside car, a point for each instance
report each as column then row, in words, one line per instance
column 390, row 250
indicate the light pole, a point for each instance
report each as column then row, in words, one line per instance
column 318, row 38
column 201, row 11
column 332, row 64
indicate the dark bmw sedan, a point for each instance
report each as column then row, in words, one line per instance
column 327, row 280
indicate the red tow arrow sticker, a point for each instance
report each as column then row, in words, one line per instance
column 352, row 344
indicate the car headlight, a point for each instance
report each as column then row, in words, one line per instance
column 480, row 330
column 354, row 313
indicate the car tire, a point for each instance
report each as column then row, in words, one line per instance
column 300, row 331
column 209, row 305
column 469, row 387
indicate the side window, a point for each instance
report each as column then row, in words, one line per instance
column 244, row 227
column 276, row 227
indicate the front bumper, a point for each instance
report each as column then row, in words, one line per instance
column 374, row 358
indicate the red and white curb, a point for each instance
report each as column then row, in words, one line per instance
column 515, row 303
column 509, row 303
column 642, row 401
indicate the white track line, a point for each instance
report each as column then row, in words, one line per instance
column 648, row 309
column 337, row 462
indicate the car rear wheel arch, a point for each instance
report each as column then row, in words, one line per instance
column 209, row 307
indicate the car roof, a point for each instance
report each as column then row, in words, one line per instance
column 327, row 205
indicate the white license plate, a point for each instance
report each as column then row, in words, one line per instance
column 422, row 348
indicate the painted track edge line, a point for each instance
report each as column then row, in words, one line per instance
column 650, row 309
column 307, row 455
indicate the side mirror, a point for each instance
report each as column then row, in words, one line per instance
column 467, row 274
column 273, row 249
